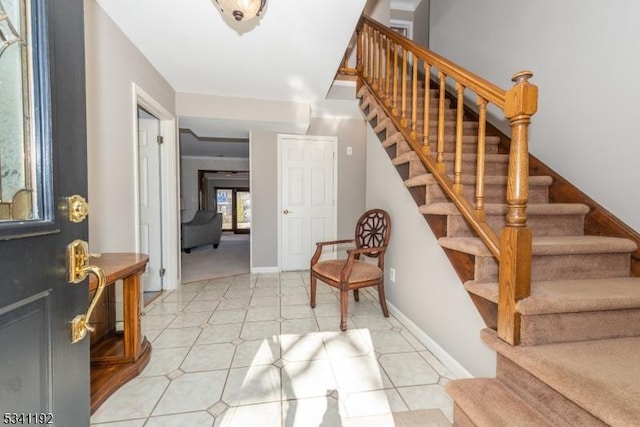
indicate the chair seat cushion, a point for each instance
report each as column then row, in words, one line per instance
column 361, row 272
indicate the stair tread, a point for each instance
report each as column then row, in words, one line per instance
column 447, row 208
column 600, row 376
column 383, row 124
column 553, row 245
column 426, row 179
column 392, row 139
column 489, row 402
column 570, row 296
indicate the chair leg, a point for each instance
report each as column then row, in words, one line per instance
column 314, row 284
column 344, row 303
column 356, row 294
column 383, row 301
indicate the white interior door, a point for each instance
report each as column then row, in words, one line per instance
column 150, row 205
column 307, row 197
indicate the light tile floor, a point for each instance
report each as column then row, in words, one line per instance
column 248, row 349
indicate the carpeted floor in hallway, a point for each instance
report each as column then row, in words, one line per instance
column 230, row 258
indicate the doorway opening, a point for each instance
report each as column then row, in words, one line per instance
column 156, row 191
column 227, row 192
column 232, row 256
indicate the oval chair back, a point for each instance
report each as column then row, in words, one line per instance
column 373, row 230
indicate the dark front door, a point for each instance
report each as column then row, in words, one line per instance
column 44, row 378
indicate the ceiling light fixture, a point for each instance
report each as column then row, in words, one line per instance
column 242, row 10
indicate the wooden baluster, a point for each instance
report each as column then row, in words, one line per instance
column 370, row 55
column 374, row 58
column 403, row 115
column 394, row 103
column 365, row 52
column 359, row 55
column 426, row 149
column 482, row 126
column 515, row 239
column 387, row 81
column 359, row 59
column 414, row 98
column 457, row 169
column 441, row 118
column 380, row 52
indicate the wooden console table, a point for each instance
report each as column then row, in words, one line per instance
column 117, row 355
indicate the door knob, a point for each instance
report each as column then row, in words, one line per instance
column 77, row 208
column 287, row 211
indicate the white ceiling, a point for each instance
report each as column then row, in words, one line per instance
column 290, row 53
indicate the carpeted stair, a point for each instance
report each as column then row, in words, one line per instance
column 579, row 358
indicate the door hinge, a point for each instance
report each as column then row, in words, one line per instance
column 162, row 272
column 160, row 139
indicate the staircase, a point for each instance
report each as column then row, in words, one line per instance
column 576, row 357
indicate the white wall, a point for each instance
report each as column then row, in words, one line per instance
column 585, row 59
column 113, row 64
column 427, row 289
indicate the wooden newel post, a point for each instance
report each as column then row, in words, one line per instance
column 515, row 239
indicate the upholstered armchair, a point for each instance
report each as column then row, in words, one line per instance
column 204, row 229
column 371, row 239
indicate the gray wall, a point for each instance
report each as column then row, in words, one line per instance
column 264, row 184
column 263, row 148
column 351, row 169
column 584, row 56
column 421, row 23
column 420, row 20
column 113, row 64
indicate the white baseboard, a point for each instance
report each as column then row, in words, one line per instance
column 447, row 360
column 258, row 270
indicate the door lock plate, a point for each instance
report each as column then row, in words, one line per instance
column 78, row 265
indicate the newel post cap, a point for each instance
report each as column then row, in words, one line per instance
column 522, row 98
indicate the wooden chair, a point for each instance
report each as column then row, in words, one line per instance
column 371, row 239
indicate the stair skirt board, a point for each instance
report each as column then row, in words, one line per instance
column 450, row 363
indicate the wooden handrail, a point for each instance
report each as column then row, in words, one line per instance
column 390, row 63
column 477, row 84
